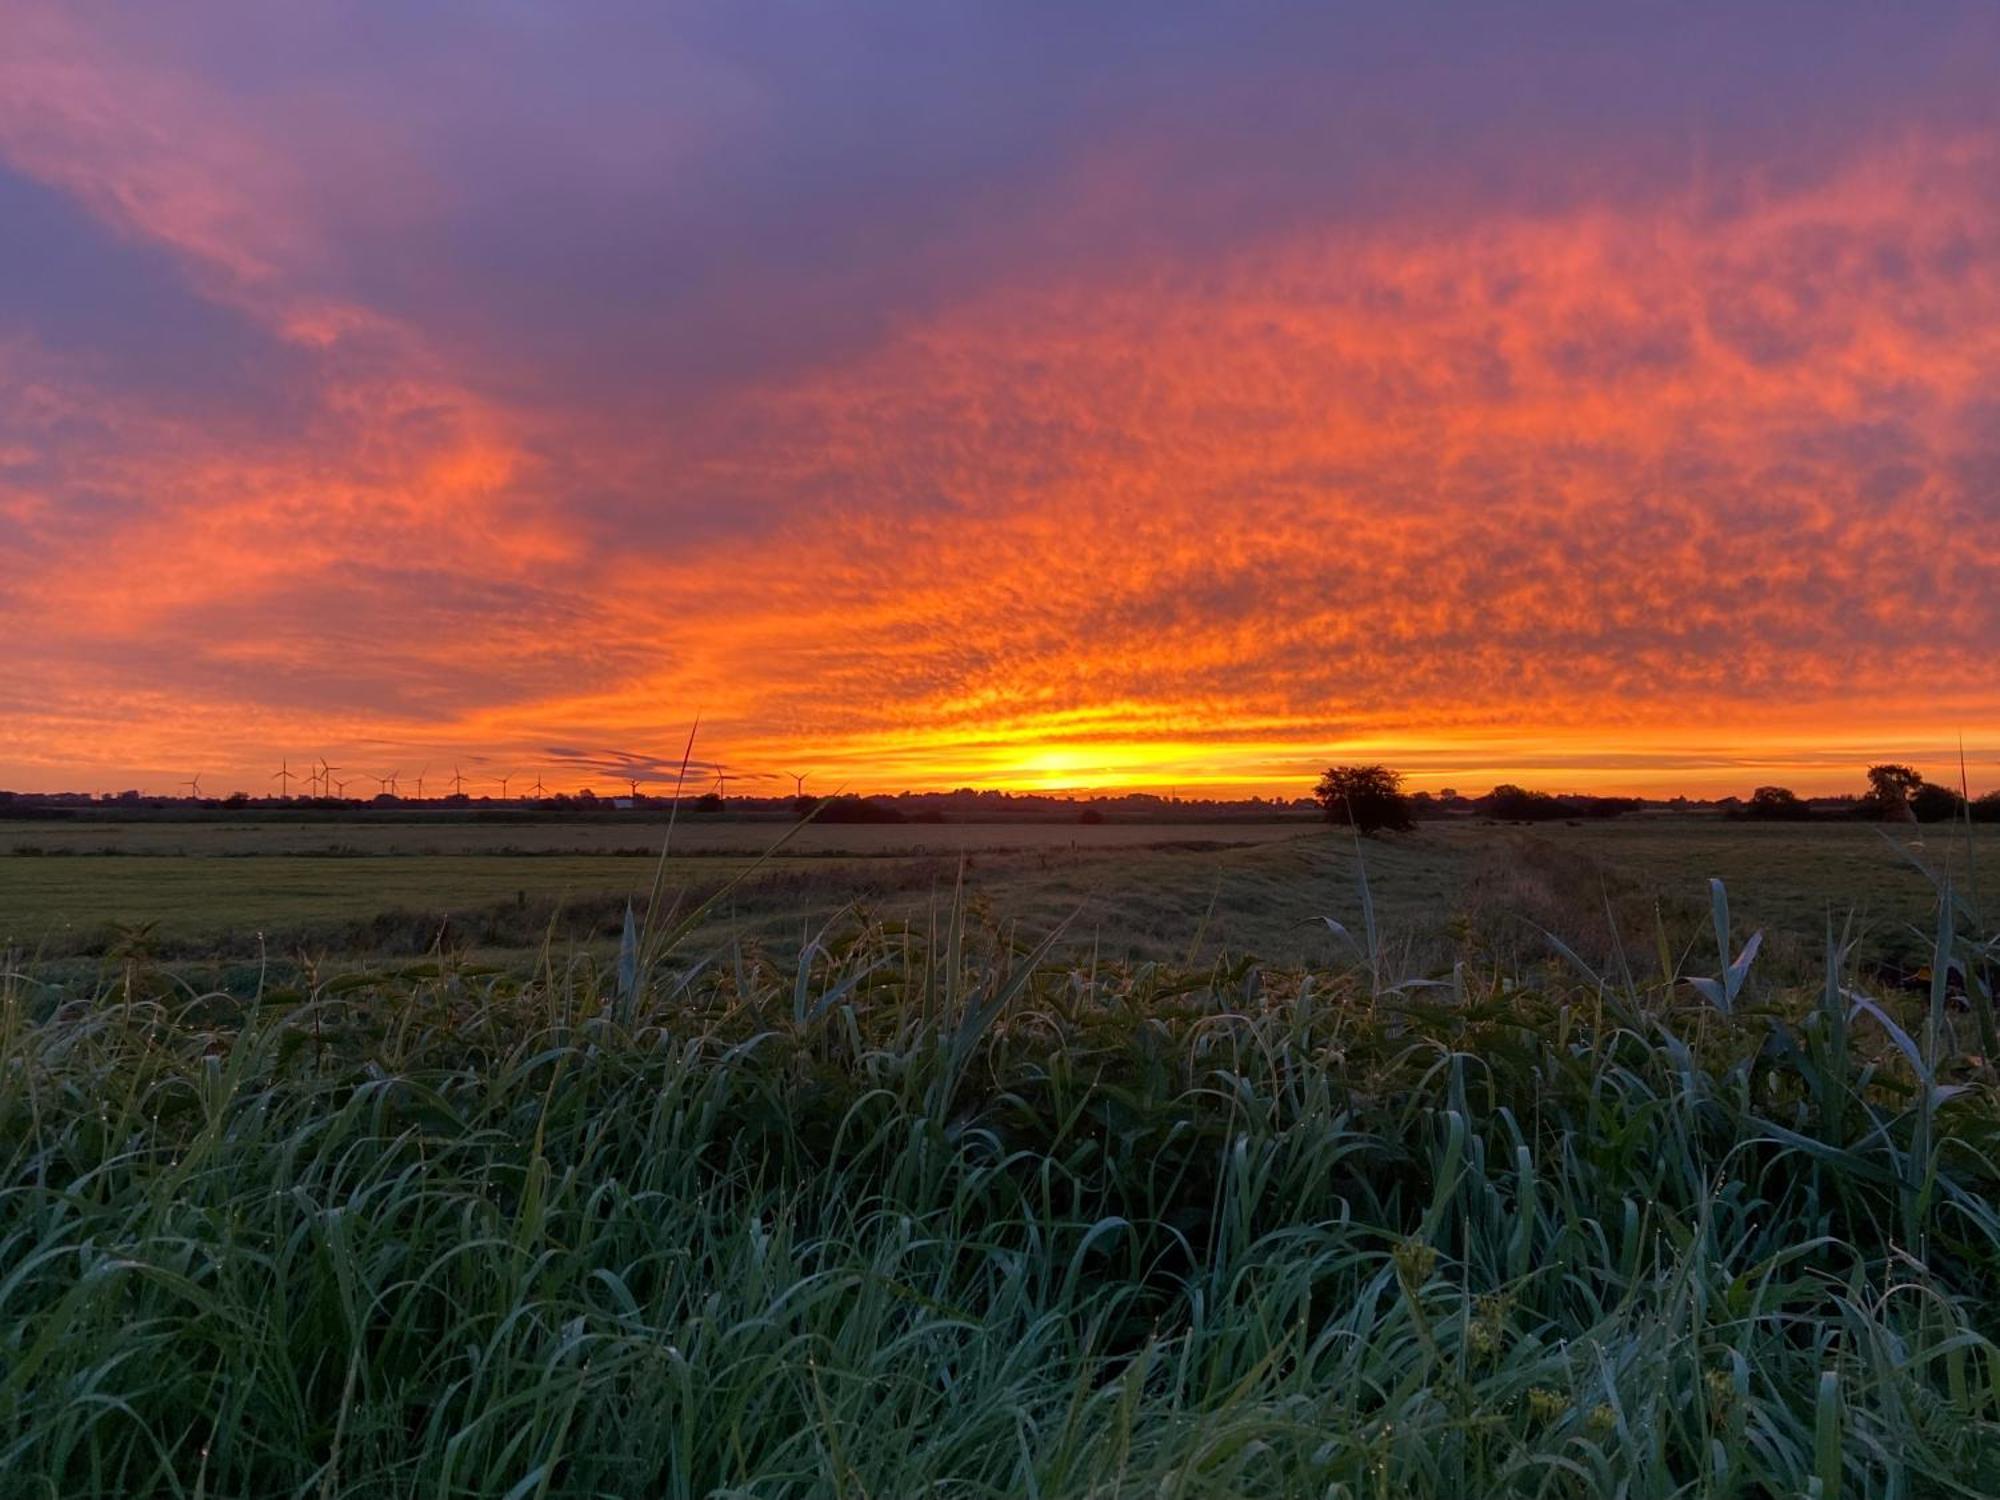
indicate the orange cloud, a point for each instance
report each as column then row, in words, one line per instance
column 1555, row 483
column 1645, row 494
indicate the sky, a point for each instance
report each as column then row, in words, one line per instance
column 1017, row 395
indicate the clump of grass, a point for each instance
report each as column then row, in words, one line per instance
column 928, row 1211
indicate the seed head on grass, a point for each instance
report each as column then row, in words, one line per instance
column 1415, row 1261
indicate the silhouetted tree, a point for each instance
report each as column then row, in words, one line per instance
column 1986, row 809
column 860, row 810
column 1891, row 786
column 1931, row 803
column 1778, row 803
column 1518, row 804
column 1369, row 797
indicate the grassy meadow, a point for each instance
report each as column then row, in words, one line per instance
column 1533, row 1176
column 240, row 892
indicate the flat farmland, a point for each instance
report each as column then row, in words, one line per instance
column 644, row 835
column 233, row 888
column 368, row 884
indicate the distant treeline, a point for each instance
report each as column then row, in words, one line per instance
column 1896, row 793
column 964, row 805
column 1372, row 794
column 1372, row 799
column 1515, row 804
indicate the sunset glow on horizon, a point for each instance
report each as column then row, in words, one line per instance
column 1134, row 400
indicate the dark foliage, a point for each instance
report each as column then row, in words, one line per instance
column 1890, row 788
column 1517, row 804
column 859, row 810
column 1777, row 804
column 1602, row 807
column 1931, row 803
column 1369, row 797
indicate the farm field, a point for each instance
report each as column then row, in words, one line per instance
column 933, row 1214
column 228, row 887
column 443, row 834
column 1162, row 891
column 364, row 1159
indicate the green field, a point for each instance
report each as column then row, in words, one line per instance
column 702, row 836
column 1162, row 891
column 939, row 1213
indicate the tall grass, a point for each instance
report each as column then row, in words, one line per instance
column 929, row 1212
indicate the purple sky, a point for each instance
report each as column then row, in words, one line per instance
column 1025, row 394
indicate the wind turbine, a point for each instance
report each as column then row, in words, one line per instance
column 503, row 784
column 388, row 783
column 721, row 784
column 798, row 783
column 457, row 782
column 539, row 793
column 339, row 789
column 193, row 784
column 633, row 783
column 283, row 776
column 420, row 784
column 326, row 776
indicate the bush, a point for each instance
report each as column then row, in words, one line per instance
column 1516, row 804
column 1776, row 804
column 1931, row 803
column 859, row 810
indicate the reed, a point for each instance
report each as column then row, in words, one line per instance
column 936, row 1211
